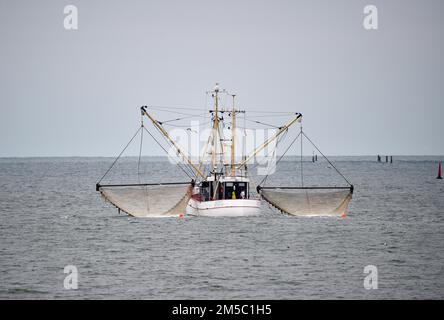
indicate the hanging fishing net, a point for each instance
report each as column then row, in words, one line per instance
column 148, row 200
column 163, row 199
column 312, row 197
column 308, row 202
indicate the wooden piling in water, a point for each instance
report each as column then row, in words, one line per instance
column 439, row 171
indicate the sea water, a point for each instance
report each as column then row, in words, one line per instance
column 52, row 217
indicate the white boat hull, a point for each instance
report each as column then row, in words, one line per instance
column 224, row 208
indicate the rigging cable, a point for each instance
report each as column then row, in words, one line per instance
column 195, row 108
column 160, row 145
column 253, row 182
column 178, row 119
column 138, row 164
column 188, row 166
column 327, row 159
column 140, row 150
column 302, row 170
column 184, row 126
column 112, row 165
column 244, row 146
column 267, row 156
column 176, row 112
column 272, row 115
column 280, row 158
column 263, row 123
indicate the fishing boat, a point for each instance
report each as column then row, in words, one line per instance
column 220, row 182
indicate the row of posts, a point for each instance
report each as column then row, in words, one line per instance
column 391, row 161
column 314, row 158
column 386, row 158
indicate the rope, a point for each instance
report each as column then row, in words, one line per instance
column 271, row 112
column 176, row 108
column 178, row 119
column 267, row 156
column 280, row 158
column 327, row 159
column 138, row 165
column 244, row 147
column 273, row 115
column 176, row 112
column 178, row 164
column 263, row 123
column 273, row 154
column 140, row 154
column 109, row 169
column 302, row 170
column 169, row 143
column 184, row 126
column 195, row 108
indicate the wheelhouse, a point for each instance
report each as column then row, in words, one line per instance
column 228, row 188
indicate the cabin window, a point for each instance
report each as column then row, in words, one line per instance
column 205, row 190
column 240, row 190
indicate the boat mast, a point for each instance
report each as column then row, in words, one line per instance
column 215, row 139
column 233, row 139
column 215, row 128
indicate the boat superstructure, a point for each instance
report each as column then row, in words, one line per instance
column 225, row 196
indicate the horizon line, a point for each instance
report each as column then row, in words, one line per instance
column 165, row 156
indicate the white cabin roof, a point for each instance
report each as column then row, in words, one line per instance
column 229, row 179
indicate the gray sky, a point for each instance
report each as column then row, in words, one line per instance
column 78, row 93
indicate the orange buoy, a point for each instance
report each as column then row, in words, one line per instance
column 439, row 171
column 181, row 215
column 344, row 215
